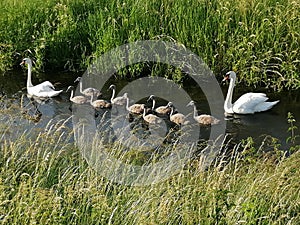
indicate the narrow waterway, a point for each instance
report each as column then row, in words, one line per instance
column 38, row 114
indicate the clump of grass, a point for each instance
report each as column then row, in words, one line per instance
column 292, row 129
column 258, row 39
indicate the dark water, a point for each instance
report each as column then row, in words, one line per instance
column 12, row 88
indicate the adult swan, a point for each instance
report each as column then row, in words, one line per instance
column 43, row 90
column 248, row 103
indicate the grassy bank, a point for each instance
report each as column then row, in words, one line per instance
column 259, row 39
column 45, row 180
column 41, row 184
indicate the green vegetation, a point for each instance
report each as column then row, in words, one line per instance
column 259, row 39
column 45, row 180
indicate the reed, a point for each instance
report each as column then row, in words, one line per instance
column 259, row 39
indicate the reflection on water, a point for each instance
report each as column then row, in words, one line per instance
column 37, row 114
column 30, row 109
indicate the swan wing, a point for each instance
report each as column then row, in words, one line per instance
column 248, row 102
column 91, row 91
column 207, row 119
column 49, row 84
column 42, row 93
column 119, row 100
column 53, row 93
column 45, row 89
column 163, row 110
column 45, row 86
column 152, row 119
column 263, row 106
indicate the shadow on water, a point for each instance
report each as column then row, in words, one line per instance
column 38, row 114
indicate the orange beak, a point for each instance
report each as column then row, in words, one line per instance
column 226, row 77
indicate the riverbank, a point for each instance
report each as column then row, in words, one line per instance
column 258, row 39
column 47, row 181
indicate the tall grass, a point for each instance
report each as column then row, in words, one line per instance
column 259, row 39
column 43, row 184
column 45, row 180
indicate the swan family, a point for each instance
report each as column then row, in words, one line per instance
column 248, row 103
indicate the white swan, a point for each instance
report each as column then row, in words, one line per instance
column 43, row 90
column 248, row 103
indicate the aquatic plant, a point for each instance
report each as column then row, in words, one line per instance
column 293, row 135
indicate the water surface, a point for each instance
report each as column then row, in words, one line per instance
column 271, row 123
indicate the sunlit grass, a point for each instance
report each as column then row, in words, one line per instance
column 45, row 180
column 259, row 39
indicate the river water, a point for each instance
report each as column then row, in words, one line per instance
column 37, row 115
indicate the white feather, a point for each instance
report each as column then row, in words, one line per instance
column 248, row 103
column 42, row 90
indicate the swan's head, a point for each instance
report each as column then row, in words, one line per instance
column 78, row 79
column 191, row 103
column 112, row 87
column 26, row 61
column 70, row 88
column 170, row 104
column 151, row 97
column 229, row 75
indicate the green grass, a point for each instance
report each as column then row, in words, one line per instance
column 45, row 180
column 259, row 39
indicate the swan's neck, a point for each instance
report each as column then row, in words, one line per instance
column 29, row 84
column 144, row 113
column 228, row 100
column 80, row 86
column 127, row 104
column 195, row 112
column 72, row 94
column 172, row 110
column 92, row 98
column 113, row 95
column 153, row 104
